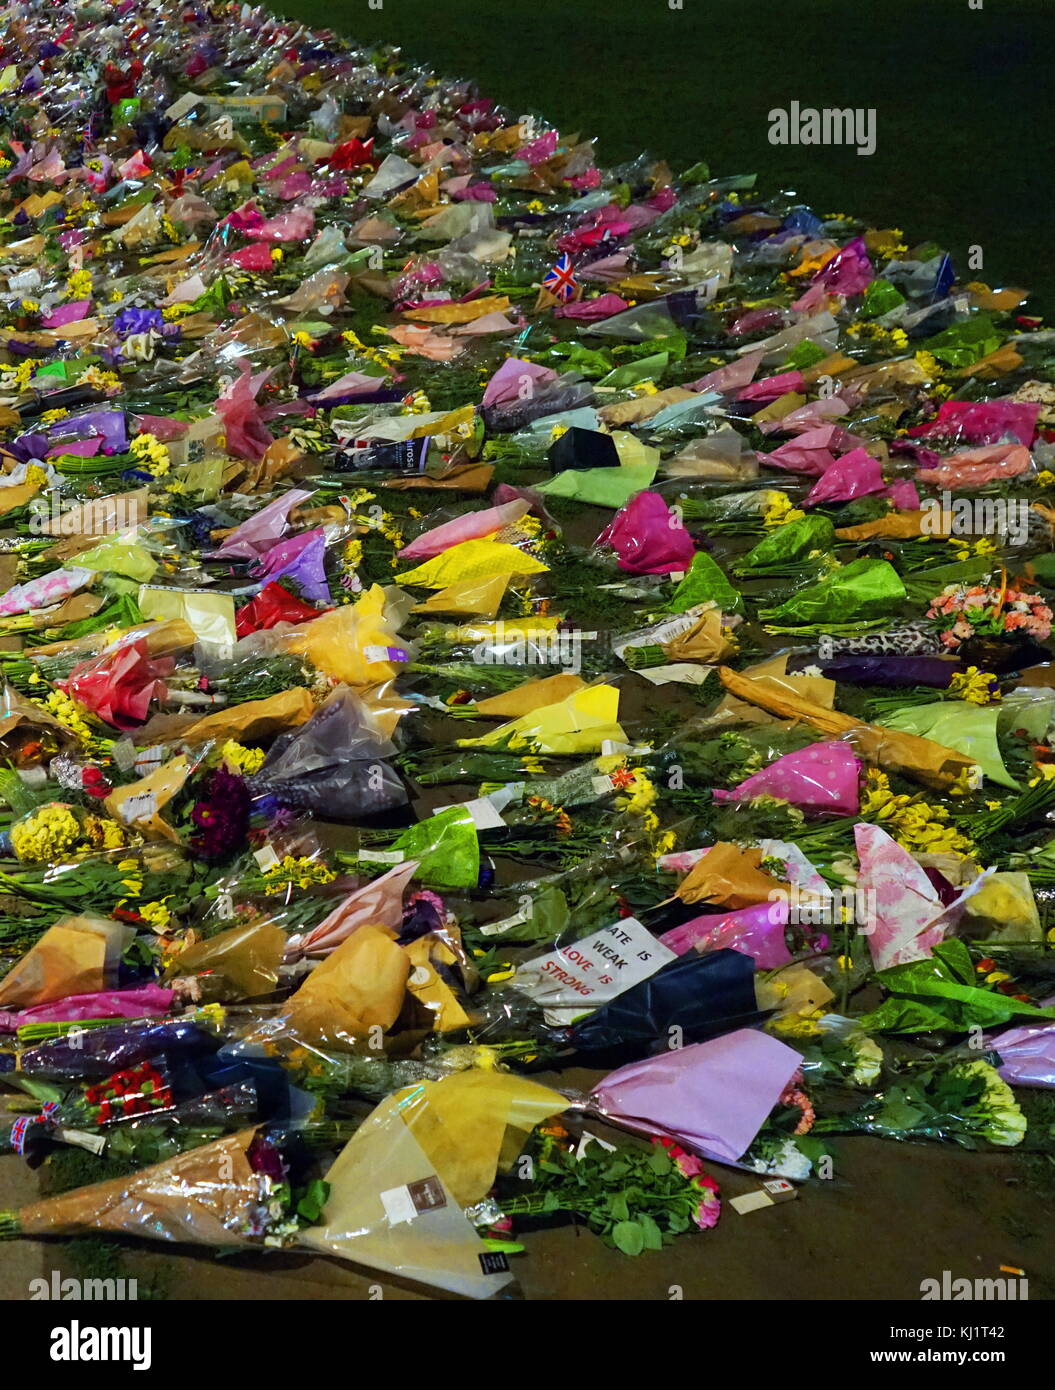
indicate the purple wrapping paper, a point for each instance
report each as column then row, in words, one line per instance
column 1027, row 1054
column 713, row 1097
column 892, row 670
column 300, row 558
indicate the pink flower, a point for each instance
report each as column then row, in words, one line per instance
column 709, row 1207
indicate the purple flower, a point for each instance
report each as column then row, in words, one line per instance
column 135, row 320
column 221, row 816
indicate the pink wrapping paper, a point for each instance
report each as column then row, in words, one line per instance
column 590, row 310
column 984, row 422
column 756, row 931
column 247, row 435
column 261, row 531
column 51, row 588
column 378, row 904
column 848, row 272
column 1027, row 1053
column 648, row 538
column 513, row 378
column 973, row 468
column 732, row 378
column 823, row 777
column 471, row 526
column 145, row 1001
column 909, row 917
column 856, row 474
column 770, row 387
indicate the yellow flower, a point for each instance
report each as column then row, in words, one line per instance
column 242, row 759
column 156, row 913
column 974, row 686
column 79, row 284
column 779, row 510
column 150, row 455
column 46, row 835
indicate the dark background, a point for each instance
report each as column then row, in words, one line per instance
column 963, row 98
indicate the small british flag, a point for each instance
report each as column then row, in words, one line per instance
column 560, row 281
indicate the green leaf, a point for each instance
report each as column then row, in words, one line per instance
column 652, row 1234
column 628, row 1237
column 659, row 1161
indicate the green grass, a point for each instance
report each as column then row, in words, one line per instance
column 963, row 103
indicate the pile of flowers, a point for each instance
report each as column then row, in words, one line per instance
column 472, row 614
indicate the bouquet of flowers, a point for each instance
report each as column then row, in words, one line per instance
column 962, row 612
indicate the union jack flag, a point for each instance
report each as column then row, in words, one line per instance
column 560, row 280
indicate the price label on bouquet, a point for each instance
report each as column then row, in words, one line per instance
column 577, row 979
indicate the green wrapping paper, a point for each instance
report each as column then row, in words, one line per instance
column 858, row 592
column 446, row 847
column 922, row 585
column 789, row 544
column 939, row 995
column 705, row 582
column 601, row 487
column 962, row 344
column 970, row 729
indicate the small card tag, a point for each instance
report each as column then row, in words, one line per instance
column 382, row 856
column 266, row 858
column 399, row 1205
column 138, row 807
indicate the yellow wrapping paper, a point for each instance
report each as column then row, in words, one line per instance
column 339, row 642
column 579, row 724
column 359, row 986
column 530, row 696
column 161, row 638
column 899, row 526
column 473, row 1122
column 641, row 408
column 254, row 719
column 703, row 641
column 469, row 597
column 78, row 955
column 793, row 990
column 239, row 963
column 139, row 804
column 428, row 986
column 120, row 554
column 12, row 498
column 460, row 313
column 728, row 876
column 203, row 1196
column 452, row 421
column 210, row 615
column 384, row 1167
column 477, row 559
